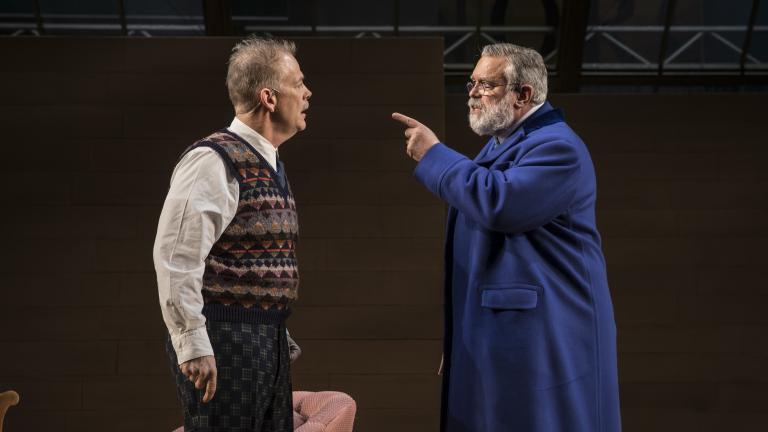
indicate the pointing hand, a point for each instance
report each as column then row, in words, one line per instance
column 419, row 138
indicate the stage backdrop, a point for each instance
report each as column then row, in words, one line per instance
column 92, row 127
column 91, row 130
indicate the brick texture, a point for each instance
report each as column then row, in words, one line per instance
column 94, row 132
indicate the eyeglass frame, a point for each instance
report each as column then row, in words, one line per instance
column 485, row 91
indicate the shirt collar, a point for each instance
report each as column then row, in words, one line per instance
column 261, row 144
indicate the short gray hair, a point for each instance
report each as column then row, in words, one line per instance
column 524, row 66
column 253, row 65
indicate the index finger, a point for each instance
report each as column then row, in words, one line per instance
column 404, row 119
column 210, row 388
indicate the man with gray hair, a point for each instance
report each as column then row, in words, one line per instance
column 530, row 338
column 225, row 252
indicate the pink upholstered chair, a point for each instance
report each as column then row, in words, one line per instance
column 326, row 411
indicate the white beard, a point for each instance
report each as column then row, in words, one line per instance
column 491, row 118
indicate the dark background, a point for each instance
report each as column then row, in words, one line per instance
column 92, row 127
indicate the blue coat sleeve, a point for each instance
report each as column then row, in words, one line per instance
column 514, row 199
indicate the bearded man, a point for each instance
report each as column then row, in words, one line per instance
column 530, row 338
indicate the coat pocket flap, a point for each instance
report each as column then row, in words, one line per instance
column 510, row 298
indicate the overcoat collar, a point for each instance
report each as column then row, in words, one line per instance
column 545, row 116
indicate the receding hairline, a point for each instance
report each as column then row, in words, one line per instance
column 254, row 63
column 285, row 62
column 503, row 65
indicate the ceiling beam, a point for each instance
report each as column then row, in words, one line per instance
column 573, row 29
column 218, row 17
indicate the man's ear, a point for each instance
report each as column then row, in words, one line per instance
column 268, row 99
column 524, row 95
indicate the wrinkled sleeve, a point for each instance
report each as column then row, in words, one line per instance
column 515, row 199
column 201, row 202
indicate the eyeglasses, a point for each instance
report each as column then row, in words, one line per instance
column 485, row 88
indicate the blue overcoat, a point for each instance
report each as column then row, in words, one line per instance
column 530, row 338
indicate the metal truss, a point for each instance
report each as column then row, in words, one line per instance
column 642, row 63
column 463, row 39
column 141, row 25
column 461, row 36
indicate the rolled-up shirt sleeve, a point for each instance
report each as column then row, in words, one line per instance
column 201, row 202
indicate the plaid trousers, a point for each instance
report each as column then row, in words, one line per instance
column 254, row 391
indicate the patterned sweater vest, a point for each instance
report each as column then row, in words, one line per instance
column 254, row 260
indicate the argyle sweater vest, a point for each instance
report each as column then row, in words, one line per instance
column 254, row 260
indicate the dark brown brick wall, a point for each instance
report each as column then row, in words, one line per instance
column 91, row 131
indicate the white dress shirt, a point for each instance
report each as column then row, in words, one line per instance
column 202, row 201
